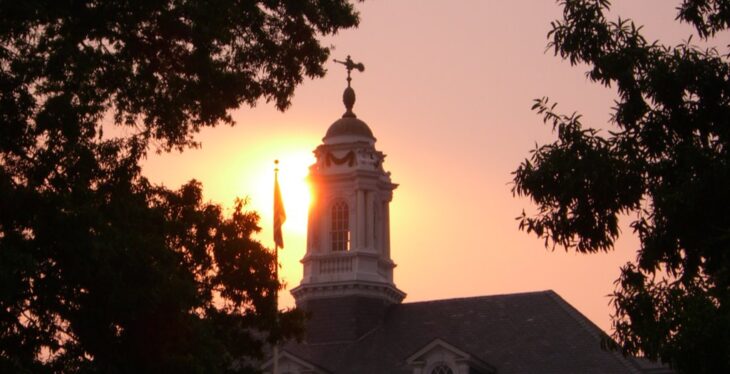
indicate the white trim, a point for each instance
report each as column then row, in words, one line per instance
column 310, row 291
column 437, row 351
column 430, row 368
column 302, row 366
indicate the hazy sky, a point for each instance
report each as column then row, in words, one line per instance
column 447, row 91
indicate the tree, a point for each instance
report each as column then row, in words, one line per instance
column 101, row 271
column 665, row 164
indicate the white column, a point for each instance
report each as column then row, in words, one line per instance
column 310, row 231
column 360, row 220
column 369, row 220
column 386, row 230
column 322, row 228
column 378, row 226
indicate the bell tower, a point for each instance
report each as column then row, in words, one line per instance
column 348, row 238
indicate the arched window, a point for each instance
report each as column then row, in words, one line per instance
column 442, row 368
column 340, row 227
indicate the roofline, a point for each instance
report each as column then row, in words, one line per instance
column 592, row 329
column 526, row 293
column 587, row 325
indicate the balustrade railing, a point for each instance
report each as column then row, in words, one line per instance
column 335, row 265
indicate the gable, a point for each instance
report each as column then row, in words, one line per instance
column 439, row 353
column 291, row 364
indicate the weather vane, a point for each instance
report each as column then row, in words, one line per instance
column 349, row 65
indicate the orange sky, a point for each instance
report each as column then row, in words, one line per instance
column 447, row 91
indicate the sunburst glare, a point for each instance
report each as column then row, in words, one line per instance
column 295, row 190
column 256, row 180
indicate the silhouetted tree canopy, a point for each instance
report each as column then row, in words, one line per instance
column 664, row 164
column 101, row 271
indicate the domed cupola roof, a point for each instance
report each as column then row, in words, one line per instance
column 349, row 128
column 349, row 125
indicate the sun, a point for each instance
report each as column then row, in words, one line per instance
column 250, row 174
column 295, row 190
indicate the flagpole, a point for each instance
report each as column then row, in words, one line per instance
column 277, row 226
column 278, row 211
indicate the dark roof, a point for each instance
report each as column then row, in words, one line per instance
column 515, row 333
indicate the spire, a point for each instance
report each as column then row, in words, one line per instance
column 348, row 97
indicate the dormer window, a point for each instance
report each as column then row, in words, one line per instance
column 440, row 357
column 340, row 233
column 442, row 368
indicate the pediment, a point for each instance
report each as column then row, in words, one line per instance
column 439, row 350
column 291, row 364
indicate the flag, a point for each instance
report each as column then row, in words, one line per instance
column 279, row 213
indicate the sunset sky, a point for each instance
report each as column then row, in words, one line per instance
column 447, row 91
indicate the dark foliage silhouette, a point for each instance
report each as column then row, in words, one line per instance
column 101, row 271
column 665, row 164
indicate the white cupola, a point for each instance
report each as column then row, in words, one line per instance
column 348, row 239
